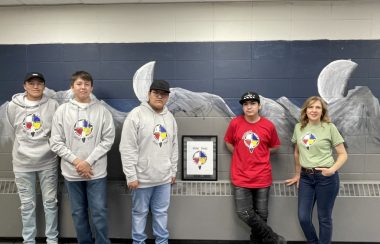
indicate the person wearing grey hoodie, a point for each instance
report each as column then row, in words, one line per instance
column 82, row 133
column 149, row 153
column 30, row 115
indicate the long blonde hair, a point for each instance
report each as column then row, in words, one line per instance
column 324, row 116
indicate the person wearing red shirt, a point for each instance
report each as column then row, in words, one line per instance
column 251, row 138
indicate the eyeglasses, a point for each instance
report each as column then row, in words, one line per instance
column 158, row 93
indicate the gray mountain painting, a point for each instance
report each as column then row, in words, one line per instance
column 356, row 113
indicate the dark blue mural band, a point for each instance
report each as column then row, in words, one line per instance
column 273, row 68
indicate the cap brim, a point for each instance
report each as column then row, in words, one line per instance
column 34, row 77
column 158, row 89
column 243, row 101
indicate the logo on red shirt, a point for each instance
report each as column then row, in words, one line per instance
column 251, row 140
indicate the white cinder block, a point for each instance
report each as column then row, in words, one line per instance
column 193, row 11
column 157, row 12
column 350, row 29
column 232, row 31
column 60, row 14
column 271, row 11
column 354, row 9
column 375, row 30
column 375, row 6
column 188, row 31
column 198, row 21
column 80, row 14
column 44, row 33
column 271, row 30
column 113, row 32
column 117, row 13
column 311, row 10
column 135, row 12
column 13, row 34
column 138, row 31
column 311, row 30
column 233, row 11
column 45, row 15
column 13, row 15
column 84, row 33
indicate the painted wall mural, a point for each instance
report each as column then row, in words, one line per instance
column 356, row 113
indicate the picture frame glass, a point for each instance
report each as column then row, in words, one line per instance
column 199, row 158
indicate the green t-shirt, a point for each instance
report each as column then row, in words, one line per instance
column 315, row 144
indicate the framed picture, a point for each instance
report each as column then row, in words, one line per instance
column 199, row 158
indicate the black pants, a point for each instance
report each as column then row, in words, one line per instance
column 251, row 199
column 252, row 204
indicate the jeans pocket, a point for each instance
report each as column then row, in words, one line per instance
column 331, row 179
column 327, row 176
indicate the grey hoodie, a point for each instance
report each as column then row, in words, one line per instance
column 32, row 126
column 149, row 146
column 86, row 133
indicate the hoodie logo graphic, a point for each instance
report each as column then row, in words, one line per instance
column 251, row 140
column 83, row 129
column 32, row 124
column 199, row 158
column 308, row 140
column 159, row 134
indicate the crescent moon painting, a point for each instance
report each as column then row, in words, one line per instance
column 333, row 79
column 142, row 80
column 356, row 114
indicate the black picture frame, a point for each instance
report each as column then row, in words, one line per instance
column 200, row 157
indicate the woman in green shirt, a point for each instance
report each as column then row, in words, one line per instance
column 316, row 170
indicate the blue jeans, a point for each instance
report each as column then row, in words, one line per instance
column 26, row 185
column 316, row 188
column 158, row 199
column 89, row 196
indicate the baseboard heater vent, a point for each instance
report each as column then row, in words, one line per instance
column 201, row 188
column 8, row 187
column 224, row 188
column 359, row 189
column 278, row 189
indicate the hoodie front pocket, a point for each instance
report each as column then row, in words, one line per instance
column 33, row 150
column 142, row 166
column 156, row 171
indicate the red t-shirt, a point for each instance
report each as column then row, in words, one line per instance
column 250, row 166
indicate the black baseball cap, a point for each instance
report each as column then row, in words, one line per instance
column 162, row 85
column 32, row 75
column 249, row 96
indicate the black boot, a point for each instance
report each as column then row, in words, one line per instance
column 276, row 239
column 263, row 231
column 254, row 239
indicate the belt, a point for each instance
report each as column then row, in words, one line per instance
column 310, row 170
